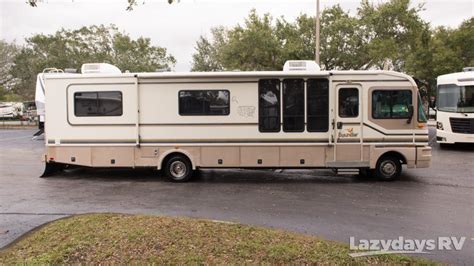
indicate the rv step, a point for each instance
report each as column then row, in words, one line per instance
column 346, row 171
column 348, row 164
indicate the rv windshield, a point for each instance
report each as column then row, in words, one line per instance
column 456, row 99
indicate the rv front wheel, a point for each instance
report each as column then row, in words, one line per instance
column 178, row 169
column 388, row 168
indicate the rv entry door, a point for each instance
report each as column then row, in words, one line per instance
column 348, row 127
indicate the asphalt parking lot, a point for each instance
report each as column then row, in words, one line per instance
column 424, row 204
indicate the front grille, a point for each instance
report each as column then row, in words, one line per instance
column 462, row 125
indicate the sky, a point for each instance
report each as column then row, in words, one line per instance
column 177, row 27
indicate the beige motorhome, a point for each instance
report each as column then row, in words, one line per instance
column 300, row 117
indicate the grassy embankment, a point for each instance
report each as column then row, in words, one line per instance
column 117, row 238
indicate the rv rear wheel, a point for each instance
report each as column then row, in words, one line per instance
column 178, row 169
column 388, row 168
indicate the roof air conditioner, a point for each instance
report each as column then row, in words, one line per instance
column 301, row 65
column 102, row 68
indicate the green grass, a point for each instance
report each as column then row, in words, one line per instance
column 117, row 238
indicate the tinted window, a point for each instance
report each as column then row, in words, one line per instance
column 204, row 102
column 293, row 105
column 388, row 104
column 348, row 102
column 317, row 93
column 269, row 105
column 105, row 103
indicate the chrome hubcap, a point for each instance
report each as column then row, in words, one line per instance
column 178, row 169
column 388, row 168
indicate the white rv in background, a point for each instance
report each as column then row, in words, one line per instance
column 455, row 107
column 9, row 110
column 39, row 101
column 300, row 117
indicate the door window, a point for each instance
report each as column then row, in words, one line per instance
column 348, row 102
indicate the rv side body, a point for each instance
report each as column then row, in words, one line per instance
column 151, row 126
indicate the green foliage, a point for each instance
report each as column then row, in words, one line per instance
column 206, row 57
column 377, row 33
column 389, row 33
column 343, row 45
column 8, row 51
column 253, row 46
column 442, row 51
column 116, row 239
column 72, row 48
column 259, row 44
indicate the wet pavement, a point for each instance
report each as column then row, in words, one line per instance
column 424, row 204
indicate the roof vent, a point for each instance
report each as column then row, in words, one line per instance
column 301, row 65
column 103, row 68
column 468, row 69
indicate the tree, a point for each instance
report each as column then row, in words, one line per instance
column 72, row 48
column 391, row 31
column 462, row 42
column 206, row 57
column 263, row 43
column 253, row 46
column 441, row 51
column 343, row 45
column 8, row 52
column 131, row 3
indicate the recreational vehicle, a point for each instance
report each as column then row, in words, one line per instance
column 300, row 117
column 11, row 110
column 455, row 107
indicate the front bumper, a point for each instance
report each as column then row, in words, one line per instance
column 451, row 138
column 423, row 157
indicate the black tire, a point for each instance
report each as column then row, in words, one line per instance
column 365, row 173
column 178, row 169
column 388, row 168
column 444, row 146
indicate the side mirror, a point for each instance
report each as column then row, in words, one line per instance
column 410, row 113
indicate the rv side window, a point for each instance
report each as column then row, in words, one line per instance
column 317, row 93
column 349, row 102
column 293, row 105
column 204, row 102
column 269, row 105
column 391, row 104
column 104, row 103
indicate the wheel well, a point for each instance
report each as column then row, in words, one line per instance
column 168, row 156
column 396, row 155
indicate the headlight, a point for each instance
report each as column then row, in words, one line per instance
column 439, row 126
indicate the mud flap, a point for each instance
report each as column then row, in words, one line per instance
column 51, row 168
column 40, row 132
